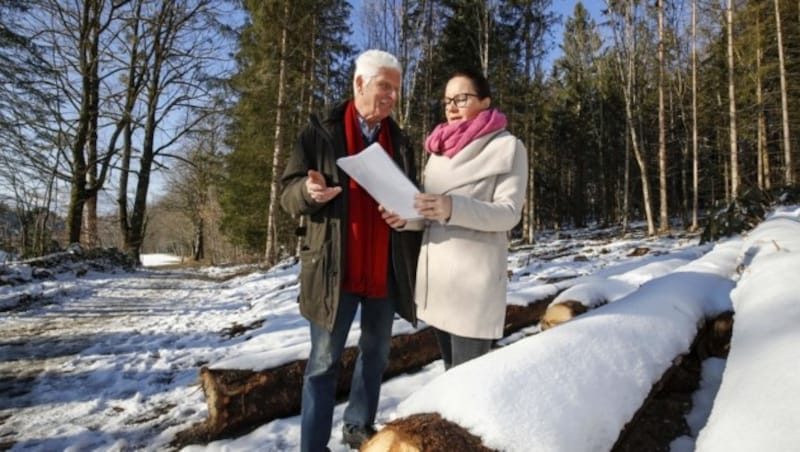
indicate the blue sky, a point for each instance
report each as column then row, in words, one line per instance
column 563, row 8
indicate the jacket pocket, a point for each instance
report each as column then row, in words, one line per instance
column 316, row 299
column 313, row 273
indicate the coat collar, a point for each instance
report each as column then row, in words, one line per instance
column 487, row 156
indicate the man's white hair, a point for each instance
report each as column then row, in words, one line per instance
column 371, row 61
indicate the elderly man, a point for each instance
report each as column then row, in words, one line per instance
column 350, row 257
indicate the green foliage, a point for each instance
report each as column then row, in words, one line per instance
column 317, row 73
column 739, row 215
column 571, row 118
column 746, row 212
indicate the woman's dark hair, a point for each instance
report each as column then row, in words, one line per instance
column 479, row 82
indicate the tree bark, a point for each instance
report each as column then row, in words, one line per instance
column 627, row 74
column 787, row 142
column 734, row 155
column 270, row 252
column 428, row 432
column 695, row 158
column 763, row 176
column 663, row 219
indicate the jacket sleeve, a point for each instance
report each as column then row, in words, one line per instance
column 294, row 196
column 504, row 210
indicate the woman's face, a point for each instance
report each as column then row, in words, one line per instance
column 461, row 102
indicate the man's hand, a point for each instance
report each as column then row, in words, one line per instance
column 318, row 190
column 391, row 218
column 433, row 207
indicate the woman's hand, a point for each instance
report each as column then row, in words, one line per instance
column 433, row 207
column 391, row 218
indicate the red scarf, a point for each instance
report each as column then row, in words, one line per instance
column 367, row 262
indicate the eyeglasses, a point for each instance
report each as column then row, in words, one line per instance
column 459, row 99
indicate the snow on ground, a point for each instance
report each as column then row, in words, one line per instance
column 160, row 260
column 109, row 362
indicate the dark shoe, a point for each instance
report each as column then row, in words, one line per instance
column 355, row 435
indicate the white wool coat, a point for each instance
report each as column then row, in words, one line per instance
column 462, row 271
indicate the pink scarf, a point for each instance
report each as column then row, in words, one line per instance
column 450, row 139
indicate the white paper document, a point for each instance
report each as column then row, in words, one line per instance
column 379, row 175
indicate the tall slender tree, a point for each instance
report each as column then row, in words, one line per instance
column 626, row 53
column 577, row 71
column 787, row 141
column 277, row 151
column 732, row 133
column 663, row 218
column 314, row 69
column 695, row 156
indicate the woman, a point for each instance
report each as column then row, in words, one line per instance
column 474, row 187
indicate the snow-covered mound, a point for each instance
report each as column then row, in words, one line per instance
column 756, row 407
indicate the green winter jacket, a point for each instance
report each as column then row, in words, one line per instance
column 322, row 258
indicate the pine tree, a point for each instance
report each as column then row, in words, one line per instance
column 317, row 69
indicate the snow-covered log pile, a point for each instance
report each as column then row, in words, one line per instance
column 21, row 281
column 74, row 260
column 555, row 404
column 761, row 371
column 598, row 289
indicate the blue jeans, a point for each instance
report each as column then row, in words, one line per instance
column 322, row 369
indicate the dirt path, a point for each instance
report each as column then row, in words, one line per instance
column 51, row 339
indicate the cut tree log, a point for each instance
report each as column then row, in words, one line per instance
column 561, row 312
column 240, row 400
column 661, row 418
column 426, row 432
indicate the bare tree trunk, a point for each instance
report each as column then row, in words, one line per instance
column 88, row 32
column 90, row 207
column 695, row 160
column 663, row 218
column 124, row 177
column 627, row 75
column 427, row 89
column 48, row 201
column 762, row 176
column 734, row 155
column 626, row 184
column 483, row 36
column 787, row 142
column 90, row 236
column 198, row 247
column 270, row 251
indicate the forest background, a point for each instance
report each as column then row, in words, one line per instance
column 656, row 111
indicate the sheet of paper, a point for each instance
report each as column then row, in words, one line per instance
column 379, row 175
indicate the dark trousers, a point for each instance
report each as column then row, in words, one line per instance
column 458, row 349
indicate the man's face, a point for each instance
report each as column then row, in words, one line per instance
column 376, row 96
